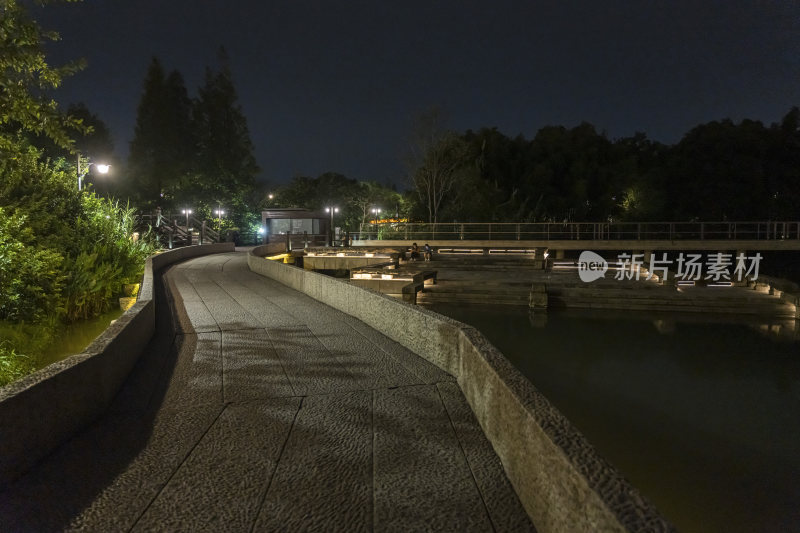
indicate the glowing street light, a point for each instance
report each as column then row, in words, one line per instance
column 376, row 211
column 331, row 210
column 187, row 212
column 102, row 168
column 219, row 212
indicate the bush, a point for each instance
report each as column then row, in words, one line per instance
column 13, row 366
column 31, row 277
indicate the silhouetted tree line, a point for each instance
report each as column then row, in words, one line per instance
column 718, row 171
column 192, row 152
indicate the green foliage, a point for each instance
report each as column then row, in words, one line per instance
column 353, row 198
column 720, row 170
column 13, row 365
column 192, row 153
column 26, row 78
column 161, row 161
column 226, row 166
column 31, row 276
column 65, row 252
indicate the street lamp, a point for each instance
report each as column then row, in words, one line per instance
column 102, row 168
column 219, row 213
column 331, row 210
column 376, row 211
column 187, row 212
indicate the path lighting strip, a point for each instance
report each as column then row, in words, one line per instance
column 512, row 251
column 721, row 284
column 379, row 275
column 344, row 254
column 460, row 251
column 565, row 265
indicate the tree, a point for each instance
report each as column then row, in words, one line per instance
column 226, row 165
column 163, row 147
column 26, row 78
column 435, row 159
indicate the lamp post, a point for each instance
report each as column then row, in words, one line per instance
column 187, row 212
column 376, row 211
column 102, row 168
column 331, row 210
column 219, row 212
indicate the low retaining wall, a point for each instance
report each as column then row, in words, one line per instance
column 564, row 485
column 42, row 410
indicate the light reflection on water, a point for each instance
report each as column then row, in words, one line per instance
column 702, row 414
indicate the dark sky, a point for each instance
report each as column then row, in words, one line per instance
column 334, row 85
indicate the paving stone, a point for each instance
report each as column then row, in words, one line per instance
column 229, row 315
column 105, row 477
column 310, row 367
column 425, row 371
column 251, row 367
column 266, row 312
column 324, row 478
column 197, row 375
column 422, row 480
column 505, row 510
column 219, row 487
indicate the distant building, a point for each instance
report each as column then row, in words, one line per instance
column 297, row 221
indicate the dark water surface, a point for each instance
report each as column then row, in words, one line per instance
column 703, row 417
column 75, row 338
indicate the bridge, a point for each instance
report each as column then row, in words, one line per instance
column 557, row 237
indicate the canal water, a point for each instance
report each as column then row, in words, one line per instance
column 74, row 338
column 702, row 417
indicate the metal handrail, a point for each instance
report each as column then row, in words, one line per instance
column 605, row 231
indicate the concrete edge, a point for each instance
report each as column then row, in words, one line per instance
column 562, row 482
column 45, row 408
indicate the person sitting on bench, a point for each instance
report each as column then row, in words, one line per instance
column 414, row 252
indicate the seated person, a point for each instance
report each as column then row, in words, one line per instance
column 414, row 252
column 427, row 252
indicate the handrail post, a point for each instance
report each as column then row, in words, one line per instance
column 203, row 232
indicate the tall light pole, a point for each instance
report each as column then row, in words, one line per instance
column 331, row 210
column 187, row 212
column 219, row 212
column 101, row 168
column 376, row 211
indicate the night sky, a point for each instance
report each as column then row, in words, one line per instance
column 333, row 86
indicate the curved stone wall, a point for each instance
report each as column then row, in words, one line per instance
column 563, row 483
column 42, row 410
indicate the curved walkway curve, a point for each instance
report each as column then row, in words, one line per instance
column 257, row 408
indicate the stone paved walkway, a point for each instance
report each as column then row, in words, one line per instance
column 269, row 411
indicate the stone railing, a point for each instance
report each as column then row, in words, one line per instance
column 564, row 485
column 44, row 409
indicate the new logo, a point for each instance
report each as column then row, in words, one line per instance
column 591, row 266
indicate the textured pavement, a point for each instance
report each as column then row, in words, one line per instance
column 269, row 411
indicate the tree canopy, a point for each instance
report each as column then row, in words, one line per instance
column 720, row 170
column 26, row 79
